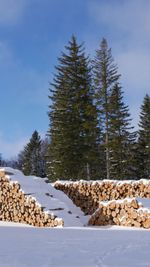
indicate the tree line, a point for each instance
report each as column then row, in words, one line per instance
column 90, row 133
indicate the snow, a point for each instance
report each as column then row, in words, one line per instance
column 119, row 201
column 101, row 182
column 22, row 245
column 74, row 247
column 13, row 224
column 145, row 202
column 53, row 201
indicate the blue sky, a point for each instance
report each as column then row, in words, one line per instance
column 32, row 35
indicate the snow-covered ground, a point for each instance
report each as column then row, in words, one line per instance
column 74, row 247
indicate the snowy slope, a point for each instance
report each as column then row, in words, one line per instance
column 74, row 247
column 51, row 199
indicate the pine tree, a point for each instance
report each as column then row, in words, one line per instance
column 72, row 117
column 121, row 137
column 30, row 156
column 43, row 156
column 144, row 140
column 105, row 76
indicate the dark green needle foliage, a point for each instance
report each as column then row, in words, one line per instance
column 30, row 157
column 105, row 76
column 73, row 118
column 121, row 137
column 143, row 152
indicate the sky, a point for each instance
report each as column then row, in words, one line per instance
column 32, row 35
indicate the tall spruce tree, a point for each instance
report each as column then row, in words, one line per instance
column 73, row 118
column 30, row 156
column 105, row 76
column 121, row 137
column 144, row 140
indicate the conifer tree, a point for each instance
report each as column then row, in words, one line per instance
column 144, row 140
column 121, row 137
column 30, row 156
column 105, row 76
column 1, row 160
column 73, row 117
column 43, row 156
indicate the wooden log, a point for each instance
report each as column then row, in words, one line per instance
column 17, row 207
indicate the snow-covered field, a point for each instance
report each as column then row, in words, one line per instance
column 71, row 246
column 74, row 247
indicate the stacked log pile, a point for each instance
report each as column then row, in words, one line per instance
column 87, row 195
column 127, row 212
column 17, row 207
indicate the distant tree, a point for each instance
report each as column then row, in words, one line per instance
column 122, row 139
column 20, row 159
column 105, row 77
column 12, row 163
column 30, row 156
column 73, row 118
column 1, row 160
column 143, row 151
column 43, row 156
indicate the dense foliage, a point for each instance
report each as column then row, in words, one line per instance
column 144, row 140
column 105, row 76
column 90, row 135
column 73, row 118
column 32, row 160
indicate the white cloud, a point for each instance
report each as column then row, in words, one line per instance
column 130, row 16
column 135, row 68
column 127, row 23
column 134, row 65
column 127, row 27
column 11, row 11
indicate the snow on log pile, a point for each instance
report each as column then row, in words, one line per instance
column 18, row 197
column 127, row 212
column 17, row 207
column 88, row 194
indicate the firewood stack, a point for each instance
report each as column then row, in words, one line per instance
column 127, row 212
column 17, row 207
column 87, row 195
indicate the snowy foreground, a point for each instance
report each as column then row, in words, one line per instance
column 73, row 247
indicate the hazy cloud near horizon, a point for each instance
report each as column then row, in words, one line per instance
column 11, row 149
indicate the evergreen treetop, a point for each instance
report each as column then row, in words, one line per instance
column 30, row 156
column 72, row 116
column 105, row 77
